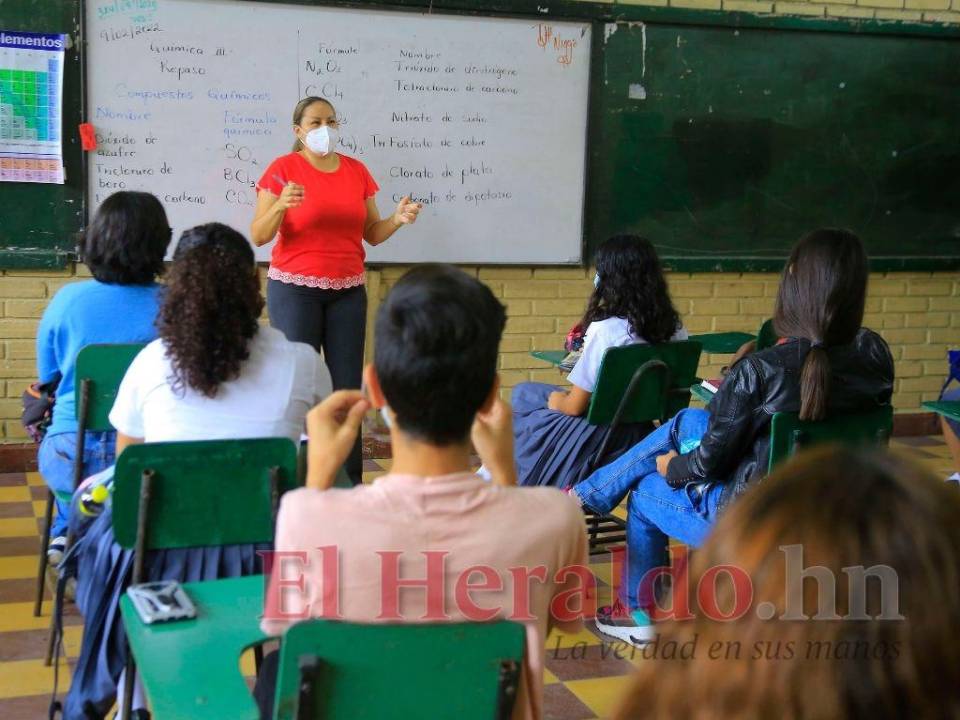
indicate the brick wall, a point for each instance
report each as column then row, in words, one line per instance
column 917, row 313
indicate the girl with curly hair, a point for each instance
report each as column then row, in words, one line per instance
column 214, row 373
column 630, row 304
column 213, row 360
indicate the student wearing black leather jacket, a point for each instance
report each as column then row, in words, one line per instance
column 684, row 473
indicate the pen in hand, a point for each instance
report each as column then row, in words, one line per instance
column 286, row 183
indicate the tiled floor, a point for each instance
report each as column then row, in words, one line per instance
column 584, row 676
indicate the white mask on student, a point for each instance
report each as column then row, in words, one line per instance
column 322, row 140
column 596, row 280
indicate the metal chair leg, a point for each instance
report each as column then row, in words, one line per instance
column 257, row 658
column 52, row 638
column 42, row 572
column 139, row 555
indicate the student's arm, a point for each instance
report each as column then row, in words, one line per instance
column 376, row 231
column 492, row 436
column 583, row 377
column 270, row 211
column 730, row 431
column 748, row 347
column 124, row 441
column 47, row 367
column 332, row 428
column 573, row 402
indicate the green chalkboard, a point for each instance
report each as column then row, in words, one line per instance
column 723, row 144
column 39, row 222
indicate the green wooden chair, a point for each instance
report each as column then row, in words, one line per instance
column 198, row 494
column 335, row 670
column 766, row 335
column 637, row 383
column 99, row 370
column 789, row 434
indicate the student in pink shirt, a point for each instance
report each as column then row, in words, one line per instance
column 474, row 550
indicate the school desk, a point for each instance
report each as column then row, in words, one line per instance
column 717, row 343
column 949, row 409
column 190, row 669
column 723, row 343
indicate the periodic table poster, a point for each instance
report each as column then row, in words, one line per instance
column 31, row 91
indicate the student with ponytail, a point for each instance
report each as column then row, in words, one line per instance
column 687, row 471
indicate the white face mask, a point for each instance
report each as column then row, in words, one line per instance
column 596, row 280
column 322, row 140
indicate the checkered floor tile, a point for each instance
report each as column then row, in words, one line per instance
column 584, row 677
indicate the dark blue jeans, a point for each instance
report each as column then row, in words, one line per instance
column 55, row 462
column 655, row 511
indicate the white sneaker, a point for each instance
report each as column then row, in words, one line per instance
column 55, row 549
column 634, row 628
column 955, row 478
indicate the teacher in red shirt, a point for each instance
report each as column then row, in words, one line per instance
column 320, row 206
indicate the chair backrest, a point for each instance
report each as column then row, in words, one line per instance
column 397, row 671
column 651, row 401
column 766, row 335
column 789, row 434
column 104, row 367
column 212, row 492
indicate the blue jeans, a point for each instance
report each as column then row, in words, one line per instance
column 55, row 462
column 655, row 511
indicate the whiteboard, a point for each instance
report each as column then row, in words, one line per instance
column 481, row 119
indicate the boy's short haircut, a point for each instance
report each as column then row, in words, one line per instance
column 437, row 338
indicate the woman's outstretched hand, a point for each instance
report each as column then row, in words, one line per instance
column 406, row 212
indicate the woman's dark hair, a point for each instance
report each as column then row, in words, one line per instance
column 847, row 606
column 435, row 351
column 210, row 308
column 632, row 286
column 127, row 239
column 301, row 108
column 821, row 299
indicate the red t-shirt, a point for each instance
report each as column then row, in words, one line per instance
column 320, row 243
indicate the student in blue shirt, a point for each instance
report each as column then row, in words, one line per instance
column 124, row 248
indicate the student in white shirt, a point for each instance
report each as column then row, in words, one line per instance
column 214, row 373
column 630, row 304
